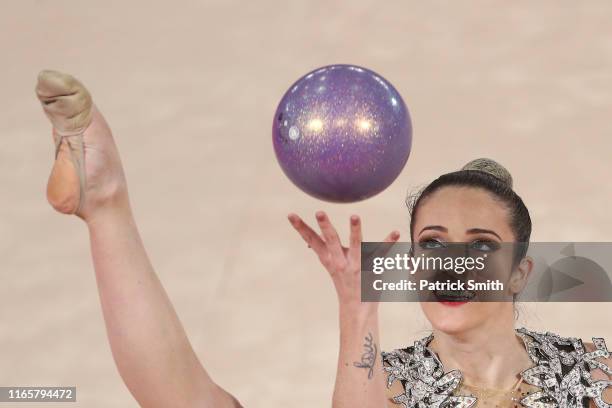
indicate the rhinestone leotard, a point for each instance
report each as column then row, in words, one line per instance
column 560, row 377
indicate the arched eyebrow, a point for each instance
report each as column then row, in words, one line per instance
column 483, row 231
column 435, row 228
column 470, row 231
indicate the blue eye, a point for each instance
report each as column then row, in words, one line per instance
column 484, row 246
column 431, row 244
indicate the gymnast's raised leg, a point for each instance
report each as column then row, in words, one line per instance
column 148, row 342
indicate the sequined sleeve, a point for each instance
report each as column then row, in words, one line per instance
column 563, row 371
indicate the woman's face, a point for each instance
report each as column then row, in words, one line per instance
column 466, row 215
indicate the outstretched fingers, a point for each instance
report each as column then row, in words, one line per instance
column 392, row 237
column 355, row 239
column 388, row 243
column 313, row 239
column 384, row 246
column 332, row 240
column 328, row 246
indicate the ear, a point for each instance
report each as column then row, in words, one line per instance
column 520, row 275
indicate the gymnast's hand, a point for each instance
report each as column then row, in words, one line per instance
column 342, row 263
column 360, row 380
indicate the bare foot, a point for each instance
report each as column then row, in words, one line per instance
column 87, row 173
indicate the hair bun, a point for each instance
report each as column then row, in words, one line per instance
column 490, row 167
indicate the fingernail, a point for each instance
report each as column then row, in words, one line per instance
column 320, row 215
column 354, row 219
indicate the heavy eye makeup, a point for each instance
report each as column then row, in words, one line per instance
column 485, row 245
column 431, row 243
column 481, row 244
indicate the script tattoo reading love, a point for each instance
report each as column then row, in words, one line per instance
column 368, row 358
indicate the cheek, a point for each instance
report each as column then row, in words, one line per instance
column 496, row 270
column 457, row 319
column 496, row 266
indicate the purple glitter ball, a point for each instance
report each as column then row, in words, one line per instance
column 342, row 133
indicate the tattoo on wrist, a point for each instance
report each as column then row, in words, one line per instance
column 368, row 358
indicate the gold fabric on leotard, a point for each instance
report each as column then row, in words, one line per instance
column 498, row 398
column 560, row 376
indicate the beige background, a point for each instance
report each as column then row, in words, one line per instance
column 190, row 89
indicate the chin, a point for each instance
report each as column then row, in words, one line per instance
column 457, row 318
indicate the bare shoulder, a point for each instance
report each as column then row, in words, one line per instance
column 396, row 389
